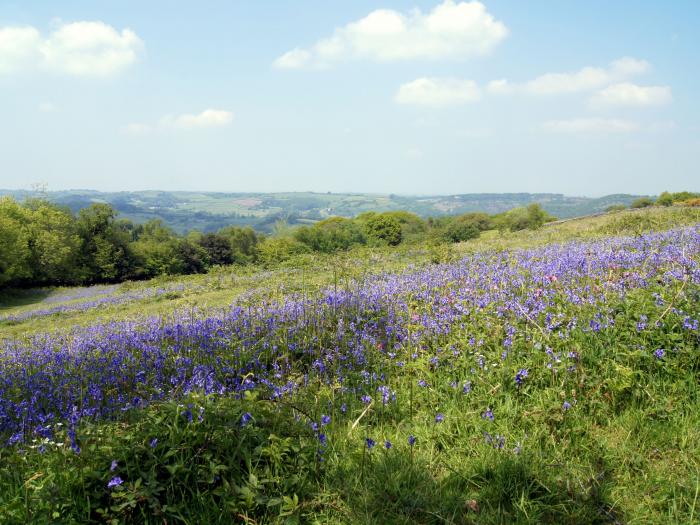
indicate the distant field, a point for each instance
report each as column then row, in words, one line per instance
column 546, row 376
column 184, row 211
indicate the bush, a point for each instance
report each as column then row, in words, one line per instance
column 274, row 251
column 615, row 207
column 642, row 202
column 331, row 235
column 383, row 229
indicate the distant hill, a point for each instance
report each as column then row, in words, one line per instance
column 209, row 211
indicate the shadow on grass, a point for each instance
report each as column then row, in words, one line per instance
column 18, row 297
column 499, row 490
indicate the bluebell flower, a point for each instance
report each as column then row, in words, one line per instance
column 370, row 443
column 387, row 444
column 325, row 420
column 246, row 418
column 520, row 376
column 439, row 418
column 114, row 482
column 659, row 353
column 411, row 440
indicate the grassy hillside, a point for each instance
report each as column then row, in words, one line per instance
column 210, row 211
column 530, row 377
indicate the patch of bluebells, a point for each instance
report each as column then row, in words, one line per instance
column 269, row 347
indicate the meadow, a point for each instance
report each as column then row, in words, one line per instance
column 524, row 377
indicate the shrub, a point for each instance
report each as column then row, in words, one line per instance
column 383, row 229
column 331, row 235
column 277, row 250
column 642, row 202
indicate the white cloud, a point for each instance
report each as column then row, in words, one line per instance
column 438, row 92
column 631, row 95
column 19, row 47
column 591, row 125
column 77, row 48
column 585, row 79
column 206, row 119
column 450, row 30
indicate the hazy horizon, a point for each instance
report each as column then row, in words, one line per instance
column 415, row 97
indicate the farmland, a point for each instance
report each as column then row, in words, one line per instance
column 551, row 382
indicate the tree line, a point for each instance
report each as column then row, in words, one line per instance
column 42, row 243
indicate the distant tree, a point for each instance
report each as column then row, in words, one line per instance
column 275, row 250
column 331, row 235
column 383, row 229
column 105, row 253
column 192, row 257
column 466, row 226
column 665, row 199
column 156, row 249
column 244, row 243
column 530, row 218
column 642, row 202
column 218, row 248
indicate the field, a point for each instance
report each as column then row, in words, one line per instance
column 531, row 377
column 209, row 211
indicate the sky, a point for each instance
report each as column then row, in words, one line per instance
column 409, row 97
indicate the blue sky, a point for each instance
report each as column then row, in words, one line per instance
column 413, row 97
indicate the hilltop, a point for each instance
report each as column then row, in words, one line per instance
column 210, row 211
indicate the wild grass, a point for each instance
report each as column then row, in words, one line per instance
column 601, row 429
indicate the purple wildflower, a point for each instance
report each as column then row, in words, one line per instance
column 114, row 482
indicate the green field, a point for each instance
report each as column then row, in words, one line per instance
column 209, row 211
column 546, row 376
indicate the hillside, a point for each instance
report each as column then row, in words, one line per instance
column 208, row 211
column 544, row 376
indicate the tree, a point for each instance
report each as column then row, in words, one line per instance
column 193, row 258
column 105, row 253
column 14, row 243
column 54, row 243
column 244, row 243
column 156, row 249
column 383, row 229
column 218, row 248
column 331, row 235
column 467, row 226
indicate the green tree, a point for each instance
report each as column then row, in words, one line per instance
column 156, row 249
column 218, row 248
column 331, row 235
column 105, row 253
column 383, row 229
column 54, row 243
column 244, row 243
column 14, row 243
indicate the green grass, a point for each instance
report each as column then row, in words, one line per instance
column 626, row 452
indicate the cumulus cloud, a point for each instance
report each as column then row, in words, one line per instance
column 208, row 118
column 449, row 30
column 19, row 48
column 631, row 95
column 76, row 48
column 591, row 125
column 438, row 92
column 585, row 79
